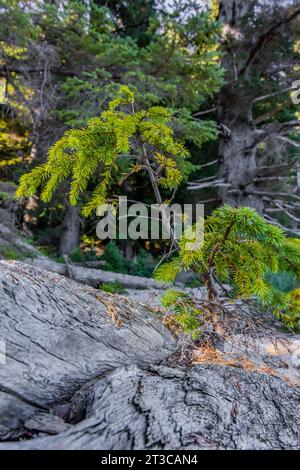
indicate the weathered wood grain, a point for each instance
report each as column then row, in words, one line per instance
column 59, row 335
column 86, row 370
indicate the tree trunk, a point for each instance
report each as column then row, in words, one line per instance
column 237, row 156
column 127, row 249
column 84, row 370
column 238, row 137
column 29, row 218
column 69, row 239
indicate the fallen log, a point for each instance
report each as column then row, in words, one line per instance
column 87, row 370
column 91, row 276
column 206, row 407
column 59, row 335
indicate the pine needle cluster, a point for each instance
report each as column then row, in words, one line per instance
column 240, row 249
column 145, row 137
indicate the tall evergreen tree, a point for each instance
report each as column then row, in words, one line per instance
column 258, row 142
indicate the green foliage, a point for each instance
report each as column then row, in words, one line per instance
column 242, row 249
column 159, row 68
column 114, row 259
column 77, row 256
column 96, row 149
column 291, row 316
column 142, row 265
column 14, row 146
column 51, row 253
column 9, row 252
column 184, row 309
column 195, row 282
column 113, row 287
column 66, row 63
column 156, row 53
column 4, row 196
column 284, row 282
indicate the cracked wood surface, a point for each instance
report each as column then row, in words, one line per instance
column 85, row 370
column 204, row 407
column 59, row 335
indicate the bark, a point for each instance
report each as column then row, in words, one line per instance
column 69, row 239
column 248, row 55
column 87, row 370
column 29, row 217
column 8, row 206
column 234, row 10
column 237, row 155
column 206, row 407
column 236, row 146
column 127, row 249
column 236, row 143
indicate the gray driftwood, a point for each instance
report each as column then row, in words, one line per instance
column 59, row 335
column 207, row 407
column 87, row 370
column 91, row 276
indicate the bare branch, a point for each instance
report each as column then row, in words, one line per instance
column 289, row 214
column 282, row 67
column 265, row 37
column 201, row 113
column 284, row 204
column 286, row 229
column 263, row 169
column 272, row 95
column 209, row 164
column 289, row 124
column 271, row 113
column 288, row 141
column 202, row 180
column 275, row 194
column 206, row 201
column 273, row 178
column 208, row 184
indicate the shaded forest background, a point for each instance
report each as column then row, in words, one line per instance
column 225, row 69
